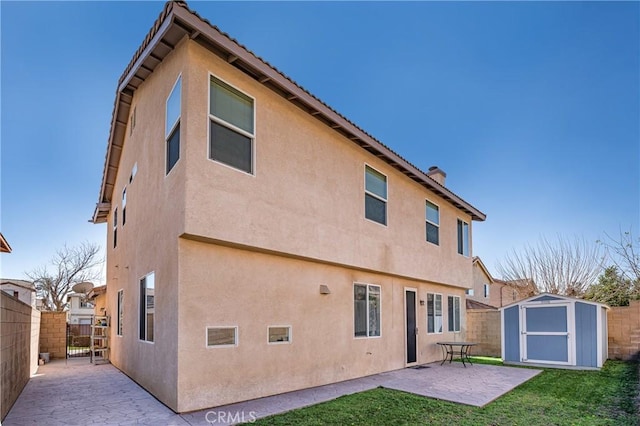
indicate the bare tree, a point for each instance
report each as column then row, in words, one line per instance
column 559, row 267
column 624, row 253
column 71, row 265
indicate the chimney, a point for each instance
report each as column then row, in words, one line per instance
column 436, row 174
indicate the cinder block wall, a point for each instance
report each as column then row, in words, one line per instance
column 483, row 327
column 624, row 331
column 53, row 334
column 15, row 338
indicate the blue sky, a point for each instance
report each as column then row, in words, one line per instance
column 532, row 108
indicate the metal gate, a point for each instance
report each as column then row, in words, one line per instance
column 78, row 340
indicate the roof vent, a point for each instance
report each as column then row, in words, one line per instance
column 437, row 174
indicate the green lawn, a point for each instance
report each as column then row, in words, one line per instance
column 554, row 397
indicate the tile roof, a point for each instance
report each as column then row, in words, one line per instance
column 176, row 15
column 474, row 304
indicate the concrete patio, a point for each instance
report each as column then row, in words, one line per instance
column 75, row 392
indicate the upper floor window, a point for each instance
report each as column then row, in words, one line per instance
column 486, row 290
column 124, row 205
column 433, row 223
column 115, row 227
column 366, row 310
column 231, row 126
column 375, row 197
column 463, row 238
column 172, row 129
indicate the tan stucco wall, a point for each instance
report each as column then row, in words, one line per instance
column 505, row 295
column 224, row 286
column 307, row 194
column 148, row 240
column 100, row 302
column 479, row 280
column 306, row 200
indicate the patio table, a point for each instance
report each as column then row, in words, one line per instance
column 448, row 351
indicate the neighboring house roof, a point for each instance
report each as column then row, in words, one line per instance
column 521, row 284
column 97, row 291
column 177, row 20
column 19, row 283
column 4, row 245
column 556, row 296
column 474, row 304
column 478, row 261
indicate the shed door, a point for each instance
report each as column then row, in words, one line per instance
column 545, row 334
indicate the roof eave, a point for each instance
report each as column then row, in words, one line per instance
column 178, row 15
column 480, row 263
column 4, row 245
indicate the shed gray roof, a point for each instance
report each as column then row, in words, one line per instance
column 176, row 21
column 557, row 296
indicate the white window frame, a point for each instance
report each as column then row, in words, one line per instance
column 466, row 249
column 134, row 171
column 451, row 328
column 114, row 221
column 220, row 327
column 437, row 225
column 145, row 340
column 168, row 134
column 367, row 285
column 486, row 290
column 124, row 205
column 386, row 201
column 119, row 312
column 132, row 121
column 289, row 334
column 434, row 313
column 231, row 126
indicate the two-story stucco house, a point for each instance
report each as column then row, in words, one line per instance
column 258, row 241
column 23, row 290
column 80, row 309
column 494, row 293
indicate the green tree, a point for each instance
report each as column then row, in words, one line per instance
column 612, row 289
